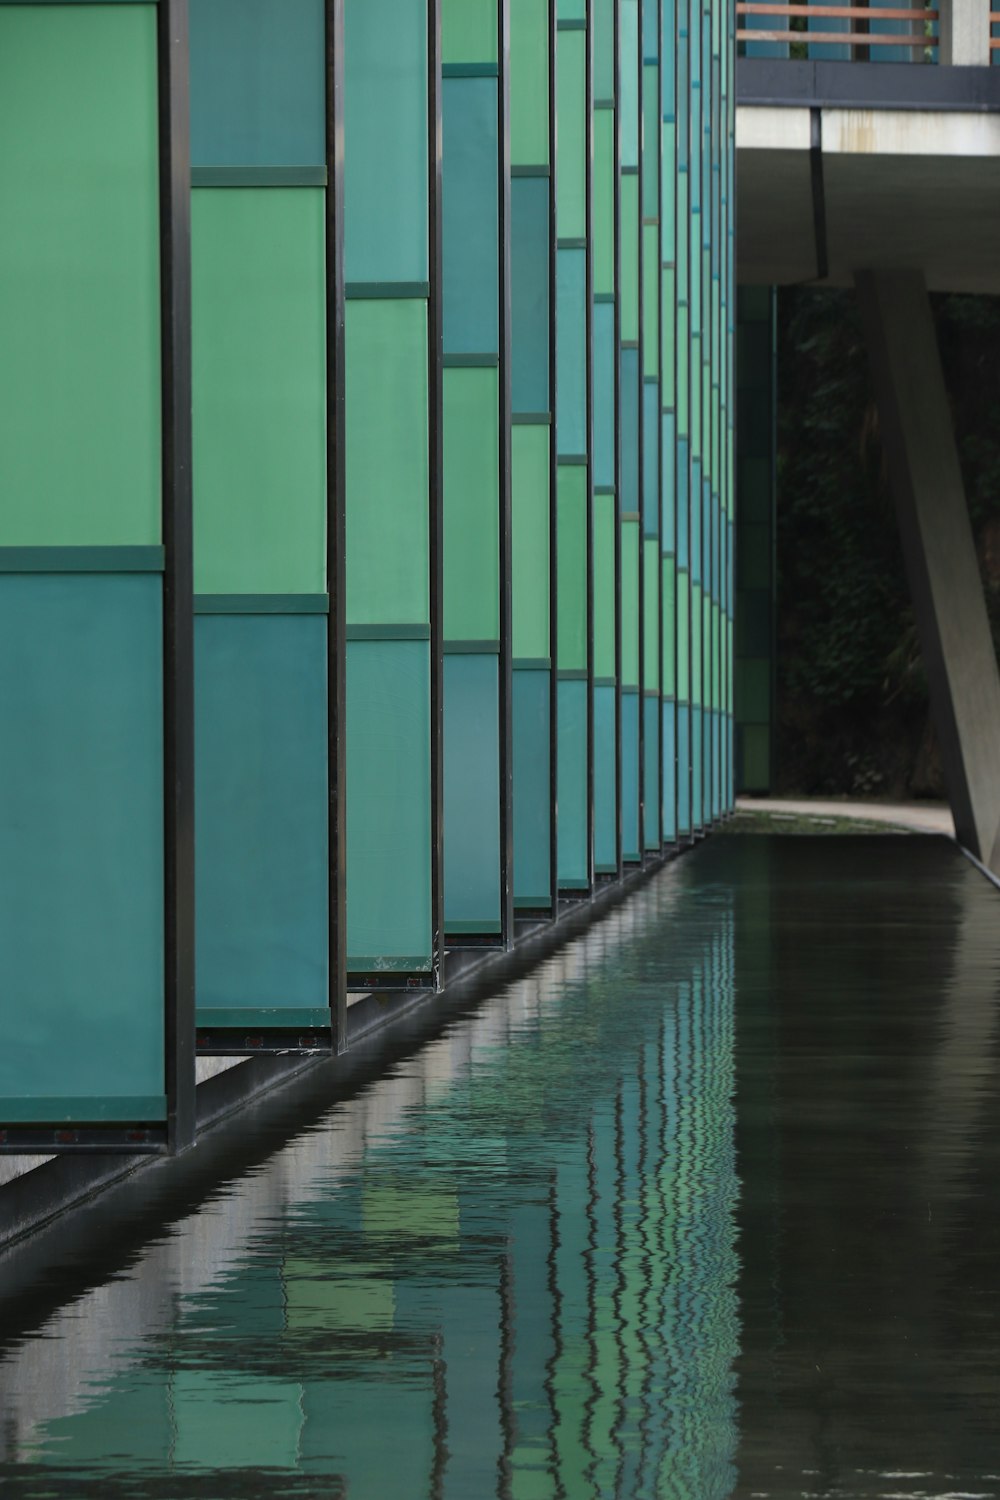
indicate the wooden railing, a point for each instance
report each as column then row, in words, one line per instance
column 857, row 35
column 994, row 21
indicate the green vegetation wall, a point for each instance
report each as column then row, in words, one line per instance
column 853, row 715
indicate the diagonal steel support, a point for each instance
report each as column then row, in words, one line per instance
column 940, row 557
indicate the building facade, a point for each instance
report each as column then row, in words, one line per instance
column 366, row 510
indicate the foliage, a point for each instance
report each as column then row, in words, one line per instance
column 852, row 695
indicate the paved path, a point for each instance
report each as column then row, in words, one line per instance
column 923, row 817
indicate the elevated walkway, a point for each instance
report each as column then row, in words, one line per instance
column 843, row 165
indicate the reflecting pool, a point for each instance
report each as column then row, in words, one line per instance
column 704, row 1206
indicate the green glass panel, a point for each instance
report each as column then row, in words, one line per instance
column 529, row 82
column 530, row 446
column 387, row 507
column 650, row 302
column 668, row 331
column 669, row 619
column 471, row 504
column 572, row 10
column 681, row 245
column 603, row 189
column 571, row 103
column 651, row 611
column 683, row 637
column 650, row 156
column 668, row 190
column 604, row 586
column 696, row 645
column 683, row 384
column 79, row 276
column 571, row 512
column 388, row 807
column 468, row 31
column 259, row 374
column 630, row 603
column 630, row 257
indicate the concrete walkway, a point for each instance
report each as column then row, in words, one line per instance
column 922, row 817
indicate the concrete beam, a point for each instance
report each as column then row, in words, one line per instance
column 940, row 556
column 964, row 39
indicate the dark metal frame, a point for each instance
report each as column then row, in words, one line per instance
column 178, row 638
column 553, row 480
column 617, row 169
column 336, row 518
column 589, row 428
column 506, row 663
column 661, row 772
column 435, row 454
column 178, row 544
column 640, row 429
column 239, row 1041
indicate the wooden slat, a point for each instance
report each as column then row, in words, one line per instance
column 841, row 38
column 841, row 12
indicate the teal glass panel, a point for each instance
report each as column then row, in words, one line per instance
column 258, row 83
column 602, row 27
column 571, row 351
column 683, row 502
column 385, row 140
column 604, row 393
column 669, row 807
column 571, row 824
column 470, row 216
column 471, row 791
column 697, row 809
column 388, row 805
column 629, row 423
column 81, row 836
column 650, row 458
column 605, row 779
column 261, row 855
column 650, row 30
column 631, row 847
column 529, row 294
column 531, row 730
column 651, row 804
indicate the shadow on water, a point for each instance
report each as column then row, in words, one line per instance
column 701, row 1207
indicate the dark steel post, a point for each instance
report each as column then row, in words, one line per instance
column 178, row 598
column 336, row 513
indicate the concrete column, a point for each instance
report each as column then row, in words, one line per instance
column 938, row 548
column 964, row 39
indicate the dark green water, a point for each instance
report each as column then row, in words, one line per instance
column 708, row 1205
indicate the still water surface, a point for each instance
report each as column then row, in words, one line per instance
column 708, row 1205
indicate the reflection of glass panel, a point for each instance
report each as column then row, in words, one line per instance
column 505, row 1269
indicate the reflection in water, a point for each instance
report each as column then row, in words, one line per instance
column 506, row 1269
column 510, row 1267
